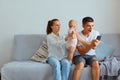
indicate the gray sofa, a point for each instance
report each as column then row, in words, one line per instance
column 22, row 68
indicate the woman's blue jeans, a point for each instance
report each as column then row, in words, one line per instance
column 61, row 69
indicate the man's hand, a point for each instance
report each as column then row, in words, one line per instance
column 94, row 43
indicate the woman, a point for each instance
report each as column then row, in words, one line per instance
column 57, row 57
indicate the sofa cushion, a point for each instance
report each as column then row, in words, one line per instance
column 104, row 50
column 42, row 53
column 114, row 40
column 117, row 52
column 26, row 45
column 26, row 70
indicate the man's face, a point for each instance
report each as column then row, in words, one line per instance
column 88, row 27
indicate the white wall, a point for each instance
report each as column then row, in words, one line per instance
column 31, row 16
column 119, row 13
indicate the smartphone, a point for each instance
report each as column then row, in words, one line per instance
column 99, row 37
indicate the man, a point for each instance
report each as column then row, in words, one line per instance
column 86, row 53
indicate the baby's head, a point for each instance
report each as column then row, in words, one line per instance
column 72, row 24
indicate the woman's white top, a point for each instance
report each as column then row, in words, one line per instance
column 56, row 46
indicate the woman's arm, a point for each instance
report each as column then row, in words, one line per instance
column 70, row 54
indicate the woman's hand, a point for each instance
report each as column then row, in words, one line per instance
column 73, row 34
column 69, row 57
column 68, row 37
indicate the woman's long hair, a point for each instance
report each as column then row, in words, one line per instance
column 50, row 23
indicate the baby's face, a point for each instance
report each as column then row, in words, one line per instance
column 74, row 25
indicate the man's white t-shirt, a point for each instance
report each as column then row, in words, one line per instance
column 93, row 35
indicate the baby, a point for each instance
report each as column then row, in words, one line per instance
column 71, row 39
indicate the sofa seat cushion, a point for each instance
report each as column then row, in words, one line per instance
column 26, row 70
column 86, row 73
column 30, row 70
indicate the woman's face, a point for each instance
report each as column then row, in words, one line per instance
column 56, row 27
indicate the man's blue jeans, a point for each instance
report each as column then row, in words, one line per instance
column 61, row 69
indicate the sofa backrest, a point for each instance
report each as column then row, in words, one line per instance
column 113, row 39
column 26, row 45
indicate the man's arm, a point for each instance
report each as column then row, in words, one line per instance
column 83, row 50
column 82, row 41
column 92, row 45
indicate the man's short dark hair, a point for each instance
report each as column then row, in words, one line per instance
column 87, row 19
